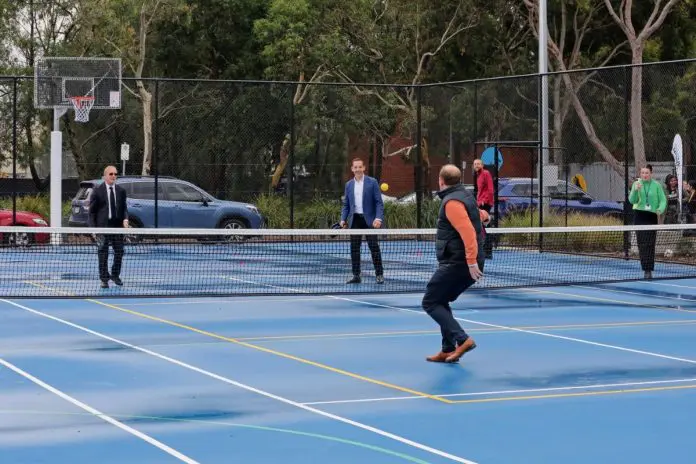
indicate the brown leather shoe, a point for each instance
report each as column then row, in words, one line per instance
column 465, row 347
column 439, row 358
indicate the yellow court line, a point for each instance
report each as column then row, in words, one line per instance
column 264, row 349
column 571, row 395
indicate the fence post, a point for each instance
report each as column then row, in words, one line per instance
column 291, row 162
column 14, row 151
column 419, row 161
column 627, row 208
column 155, row 150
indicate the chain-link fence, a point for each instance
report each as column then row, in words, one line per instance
column 204, row 151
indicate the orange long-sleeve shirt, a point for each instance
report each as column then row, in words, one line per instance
column 459, row 218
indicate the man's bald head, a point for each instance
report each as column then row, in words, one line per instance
column 450, row 175
column 110, row 173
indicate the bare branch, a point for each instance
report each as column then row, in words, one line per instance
column 619, row 20
column 406, row 150
column 446, row 37
column 404, row 106
column 173, row 106
column 114, row 120
column 654, row 24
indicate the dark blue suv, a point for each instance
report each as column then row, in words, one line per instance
column 180, row 204
column 519, row 193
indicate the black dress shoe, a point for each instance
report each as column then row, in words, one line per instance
column 354, row 280
column 117, row 280
column 104, row 284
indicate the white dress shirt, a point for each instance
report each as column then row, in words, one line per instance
column 358, row 195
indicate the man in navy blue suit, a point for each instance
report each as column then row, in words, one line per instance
column 363, row 209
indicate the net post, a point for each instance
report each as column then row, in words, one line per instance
column 56, row 192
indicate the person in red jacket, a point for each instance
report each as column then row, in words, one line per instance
column 484, row 196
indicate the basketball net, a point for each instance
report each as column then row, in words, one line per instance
column 82, row 105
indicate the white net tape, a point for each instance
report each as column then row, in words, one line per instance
column 82, row 105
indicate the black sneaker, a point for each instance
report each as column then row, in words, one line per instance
column 380, row 279
column 354, row 280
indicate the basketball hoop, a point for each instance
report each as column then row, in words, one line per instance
column 82, row 105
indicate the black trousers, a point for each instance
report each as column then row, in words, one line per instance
column 488, row 243
column 445, row 286
column 103, row 243
column 372, row 243
column 646, row 239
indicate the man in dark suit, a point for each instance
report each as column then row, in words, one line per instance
column 107, row 208
column 363, row 209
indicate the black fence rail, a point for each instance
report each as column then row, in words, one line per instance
column 284, row 148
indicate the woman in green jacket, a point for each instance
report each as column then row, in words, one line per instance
column 648, row 200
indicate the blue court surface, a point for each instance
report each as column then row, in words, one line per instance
column 574, row 374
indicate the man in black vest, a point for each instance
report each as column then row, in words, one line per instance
column 460, row 262
column 107, row 208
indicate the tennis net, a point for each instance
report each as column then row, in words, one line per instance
column 50, row 262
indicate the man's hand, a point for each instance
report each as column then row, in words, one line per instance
column 343, row 224
column 125, row 223
column 475, row 272
column 377, row 223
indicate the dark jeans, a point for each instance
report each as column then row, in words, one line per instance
column 488, row 243
column 445, row 286
column 373, row 245
column 646, row 239
column 103, row 242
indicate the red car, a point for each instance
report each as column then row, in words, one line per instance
column 24, row 219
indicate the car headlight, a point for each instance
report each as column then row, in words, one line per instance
column 252, row 208
column 40, row 222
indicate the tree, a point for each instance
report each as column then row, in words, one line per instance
column 637, row 41
column 570, row 41
column 302, row 40
column 398, row 42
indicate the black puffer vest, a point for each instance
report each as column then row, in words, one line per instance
column 449, row 246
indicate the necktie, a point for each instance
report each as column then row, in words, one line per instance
column 112, row 202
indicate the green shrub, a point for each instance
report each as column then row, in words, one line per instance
column 562, row 241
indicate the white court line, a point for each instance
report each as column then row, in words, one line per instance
column 249, row 388
column 513, row 329
column 238, row 300
column 670, row 285
column 154, row 442
column 628, row 292
column 510, row 392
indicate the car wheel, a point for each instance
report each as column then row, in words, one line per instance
column 234, row 224
column 19, row 239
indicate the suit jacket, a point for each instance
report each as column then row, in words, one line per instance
column 373, row 207
column 99, row 207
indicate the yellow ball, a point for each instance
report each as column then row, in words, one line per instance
column 384, row 186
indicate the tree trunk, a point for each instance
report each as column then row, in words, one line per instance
column 637, row 105
column 558, row 155
column 589, row 128
column 146, row 99
column 284, row 154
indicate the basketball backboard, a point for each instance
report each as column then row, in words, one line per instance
column 58, row 79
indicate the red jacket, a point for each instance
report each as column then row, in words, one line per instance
column 484, row 186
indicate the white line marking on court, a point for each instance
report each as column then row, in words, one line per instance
column 154, row 442
column 629, row 292
column 510, row 392
column 281, row 399
column 239, row 300
column 670, row 285
column 514, row 329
